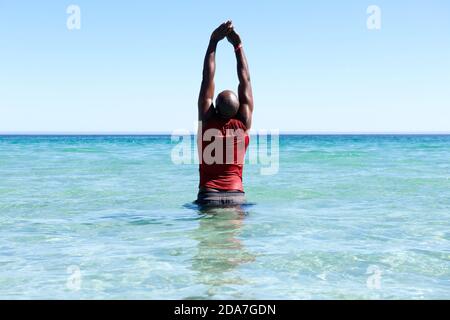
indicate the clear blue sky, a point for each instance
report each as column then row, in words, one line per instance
column 136, row 65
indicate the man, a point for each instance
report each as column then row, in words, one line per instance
column 223, row 131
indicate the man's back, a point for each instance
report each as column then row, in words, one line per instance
column 223, row 144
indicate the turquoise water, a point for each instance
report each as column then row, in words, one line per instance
column 111, row 217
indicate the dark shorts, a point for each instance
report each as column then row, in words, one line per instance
column 221, row 198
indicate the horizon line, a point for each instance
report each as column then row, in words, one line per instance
column 166, row 133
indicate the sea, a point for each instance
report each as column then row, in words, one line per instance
column 328, row 217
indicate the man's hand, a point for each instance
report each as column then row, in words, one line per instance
column 222, row 31
column 234, row 38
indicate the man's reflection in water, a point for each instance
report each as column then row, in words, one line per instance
column 220, row 250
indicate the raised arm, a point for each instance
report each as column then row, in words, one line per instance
column 205, row 99
column 245, row 87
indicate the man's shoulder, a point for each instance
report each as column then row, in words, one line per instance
column 238, row 123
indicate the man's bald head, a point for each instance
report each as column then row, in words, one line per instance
column 227, row 104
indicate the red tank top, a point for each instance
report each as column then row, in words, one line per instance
column 223, row 145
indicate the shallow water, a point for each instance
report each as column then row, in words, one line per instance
column 111, row 217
